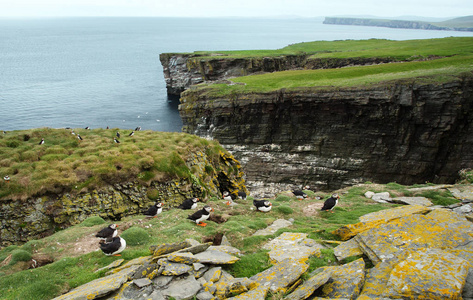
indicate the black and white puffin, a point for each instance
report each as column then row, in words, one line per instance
column 118, row 134
column 154, row 210
column 228, row 198
column 241, row 195
column 79, row 137
column 116, row 141
column 262, row 205
column 108, row 232
column 330, row 203
column 113, row 247
column 201, row 215
column 131, row 133
column 189, row 203
column 138, row 128
column 41, row 142
column 299, row 194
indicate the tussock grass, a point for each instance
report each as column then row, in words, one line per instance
column 65, row 164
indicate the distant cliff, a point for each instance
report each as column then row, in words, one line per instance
column 401, row 131
column 392, row 24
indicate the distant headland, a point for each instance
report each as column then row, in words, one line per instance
column 456, row 24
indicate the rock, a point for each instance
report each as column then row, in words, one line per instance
column 227, row 249
column 215, row 257
column 308, row 287
column 438, row 229
column 213, row 274
column 278, row 224
column 225, row 242
column 464, row 209
column 142, row 282
column 114, row 264
column 289, row 245
column 374, row 219
column 101, row 286
column 196, row 248
column 173, row 269
column 205, row 296
column 162, row 281
column 347, row 249
column 182, row 257
column 280, row 276
column 168, row 248
column 412, row 201
column 140, row 261
column 345, row 281
column 182, row 288
column 369, row 194
column 462, row 192
column 258, row 293
column 381, row 197
column 222, row 285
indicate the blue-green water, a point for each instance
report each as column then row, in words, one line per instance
column 99, row 72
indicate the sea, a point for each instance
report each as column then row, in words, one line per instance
column 105, row 71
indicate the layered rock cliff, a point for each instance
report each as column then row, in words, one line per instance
column 23, row 220
column 403, row 131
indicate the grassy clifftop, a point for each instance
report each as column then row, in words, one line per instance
column 64, row 163
column 431, row 60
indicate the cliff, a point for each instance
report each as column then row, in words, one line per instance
column 40, row 216
column 394, row 24
column 403, row 131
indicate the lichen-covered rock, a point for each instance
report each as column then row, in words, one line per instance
column 347, row 249
column 280, row 276
column 290, row 245
column 309, row 286
column 165, row 248
column 438, row 229
column 428, row 274
column 101, row 286
column 182, row 288
column 412, row 201
column 258, row 293
column 213, row 274
column 215, row 257
column 173, row 269
column 375, row 219
column 345, row 281
column 275, row 226
column 227, row 249
column 182, row 257
column 139, row 261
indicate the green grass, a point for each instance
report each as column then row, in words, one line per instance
column 63, row 164
column 72, row 269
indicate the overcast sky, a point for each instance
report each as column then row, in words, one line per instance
column 246, row 8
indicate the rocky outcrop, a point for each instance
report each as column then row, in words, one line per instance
column 330, row 138
column 23, row 220
column 417, row 253
column 391, row 24
column 184, row 70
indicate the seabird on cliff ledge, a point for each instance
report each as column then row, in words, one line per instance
column 113, row 247
column 154, row 210
column 330, row 203
column 41, row 142
column 190, row 203
column 262, row 205
column 108, row 232
column 201, row 215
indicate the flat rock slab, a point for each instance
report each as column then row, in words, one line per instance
column 100, row 287
column 347, row 249
column 462, row 192
column 345, row 281
column 174, row 269
column 258, row 293
column 290, row 245
column 412, row 201
column 440, row 228
column 375, row 219
column 216, row 258
column 428, row 273
column 182, row 288
column 280, row 276
column 182, row 257
column 271, row 229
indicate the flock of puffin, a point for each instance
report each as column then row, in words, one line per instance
column 112, row 244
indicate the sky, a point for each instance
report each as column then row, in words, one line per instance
column 240, row 8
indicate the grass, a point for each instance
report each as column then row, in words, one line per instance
column 65, row 164
column 71, row 268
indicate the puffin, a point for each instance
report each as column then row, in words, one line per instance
column 42, row 142
column 79, row 137
column 108, row 232
column 138, row 128
column 87, row 128
column 113, row 246
column 154, row 210
column 201, row 215
column 118, row 134
column 228, row 198
column 116, row 141
column 330, row 203
column 131, row 133
column 299, row 194
column 262, row 205
column 189, row 203
column 241, row 195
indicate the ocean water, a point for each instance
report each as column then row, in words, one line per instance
column 99, row 72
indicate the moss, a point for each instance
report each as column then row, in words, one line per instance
column 92, row 221
column 20, row 255
column 136, row 236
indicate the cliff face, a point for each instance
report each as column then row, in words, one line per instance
column 181, row 70
column 399, row 132
column 38, row 217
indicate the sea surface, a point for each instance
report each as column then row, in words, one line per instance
column 99, row 72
